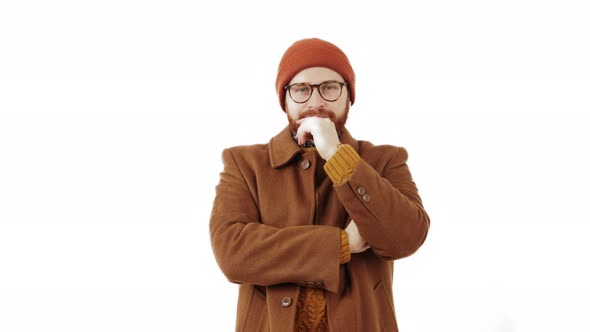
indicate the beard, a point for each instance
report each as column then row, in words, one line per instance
column 339, row 122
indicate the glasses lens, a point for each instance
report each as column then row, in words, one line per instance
column 300, row 92
column 330, row 91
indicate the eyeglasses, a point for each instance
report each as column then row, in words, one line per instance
column 328, row 90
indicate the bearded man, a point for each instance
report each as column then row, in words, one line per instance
column 310, row 224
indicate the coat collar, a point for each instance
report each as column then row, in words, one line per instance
column 282, row 147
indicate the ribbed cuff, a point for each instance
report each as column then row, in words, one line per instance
column 344, row 248
column 342, row 164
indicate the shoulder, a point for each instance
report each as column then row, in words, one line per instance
column 382, row 153
column 244, row 154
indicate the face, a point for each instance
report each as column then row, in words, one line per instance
column 337, row 110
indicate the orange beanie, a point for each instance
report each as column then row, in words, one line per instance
column 312, row 52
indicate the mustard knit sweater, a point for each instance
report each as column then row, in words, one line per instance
column 311, row 306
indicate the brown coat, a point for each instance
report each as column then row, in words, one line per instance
column 275, row 226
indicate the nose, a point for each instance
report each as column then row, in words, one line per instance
column 315, row 101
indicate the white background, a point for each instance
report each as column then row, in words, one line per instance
column 113, row 116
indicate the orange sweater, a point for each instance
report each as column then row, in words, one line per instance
column 311, row 306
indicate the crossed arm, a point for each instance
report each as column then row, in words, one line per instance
column 387, row 216
column 393, row 223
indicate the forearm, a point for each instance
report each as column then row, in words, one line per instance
column 392, row 224
column 386, row 209
column 249, row 251
column 264, row 255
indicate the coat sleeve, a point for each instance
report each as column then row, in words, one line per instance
column 248, row 251
column 386, row 207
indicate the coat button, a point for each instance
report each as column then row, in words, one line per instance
column 305, row 164
column 286, row 301
column 366, row 198
column 360, row 190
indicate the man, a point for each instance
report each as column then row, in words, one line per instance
column 309, row 224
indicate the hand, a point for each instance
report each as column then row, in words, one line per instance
column 355, row 240
column 323, row 130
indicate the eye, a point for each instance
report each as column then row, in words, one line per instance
column 330, row 86
column 300, row 88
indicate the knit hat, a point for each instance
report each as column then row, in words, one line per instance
column 312, row 52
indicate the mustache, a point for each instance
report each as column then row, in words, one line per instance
column 317, row 112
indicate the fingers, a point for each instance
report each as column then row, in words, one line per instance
column 322, row 131
column 302, row 131
column 355, row 239
column 365, row 247
column 352, row 225
column 302, row 135
column 305, row 129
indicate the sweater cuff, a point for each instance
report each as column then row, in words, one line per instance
column 344, row 248
column 342, row 164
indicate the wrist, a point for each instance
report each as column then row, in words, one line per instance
column 333, row 151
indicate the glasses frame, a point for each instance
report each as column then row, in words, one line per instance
column 314, row 86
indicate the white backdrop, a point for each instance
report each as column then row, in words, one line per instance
column 113, row 116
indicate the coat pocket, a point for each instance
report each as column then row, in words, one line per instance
column 252, row 312
column 386, row 309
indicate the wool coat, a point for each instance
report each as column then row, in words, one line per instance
column 276, row 222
